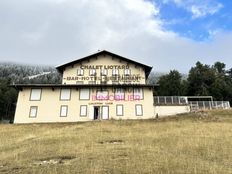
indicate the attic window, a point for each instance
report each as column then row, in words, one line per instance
column 127, row 72
column 104, row 72
column 80, row 72
column 115, row 72
column 92, row 72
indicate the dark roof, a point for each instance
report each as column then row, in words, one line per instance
column 147, row 68
column 20, row 86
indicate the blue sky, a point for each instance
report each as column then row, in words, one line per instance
column 165, row 34
column 180, row 19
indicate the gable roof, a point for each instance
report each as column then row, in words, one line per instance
column 147, row 68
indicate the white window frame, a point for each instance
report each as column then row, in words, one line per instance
column 92, row 72
column 119, row 92
column 63, row 111
column 35, row 94
column 33, row 114
column 80, row 72
column 104, row 72
column 84, row 94
column 115, row 72
column 127, row 72
column 102, row 95
column 119, row 110
column 63, row 96
column 139, row 110
column 138, row 92
column 83, row 110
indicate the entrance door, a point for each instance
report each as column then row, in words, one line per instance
column 105, row 112
column 96, row 112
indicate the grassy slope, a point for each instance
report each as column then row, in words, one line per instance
column 199, row 143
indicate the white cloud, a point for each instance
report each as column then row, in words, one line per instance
column 56, row 31
column 204, row 10
column 198, row 8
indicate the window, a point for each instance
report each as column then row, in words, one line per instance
column 84, row 94
column 92, row 82
column 63, row 111
column 102, row 95
column 115, row 72
column 104, row 72
column 33, row 111
column 35, row 94
column 92, row 72
column 103, row 82
column 115, row 82
column 119, row 94
column 65, row 94
column 138, row 110
column 83, row 110
column 138, row 94
column 80, row 72
column 119, row 110
column 79, row 82
column 127, row 72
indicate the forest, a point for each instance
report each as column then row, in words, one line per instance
column 11, row 73
column 202, row 80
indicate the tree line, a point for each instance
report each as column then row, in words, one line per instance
column 202, row 80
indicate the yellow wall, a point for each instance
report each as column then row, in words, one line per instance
column 70, row 73
column 49, row 106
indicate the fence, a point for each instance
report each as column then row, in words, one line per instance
column 171, row 100
column 194, row 105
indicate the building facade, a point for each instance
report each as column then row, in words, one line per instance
column 101, row 86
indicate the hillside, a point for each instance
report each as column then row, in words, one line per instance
column 194, row 143
column 22, row 73
column 11, row 73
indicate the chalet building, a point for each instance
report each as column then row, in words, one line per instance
column 100, row 86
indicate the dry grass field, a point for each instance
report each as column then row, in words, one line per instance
column 193, row 143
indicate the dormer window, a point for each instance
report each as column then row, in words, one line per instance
column 127, row 72
column 115, row 72
column 80, row 72
column 92, row 72
column 104, row 72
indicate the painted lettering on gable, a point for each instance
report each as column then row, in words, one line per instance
column 123, row 74
column 132, row 78
column 104, row 66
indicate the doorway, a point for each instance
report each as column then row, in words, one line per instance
column 96, row 112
